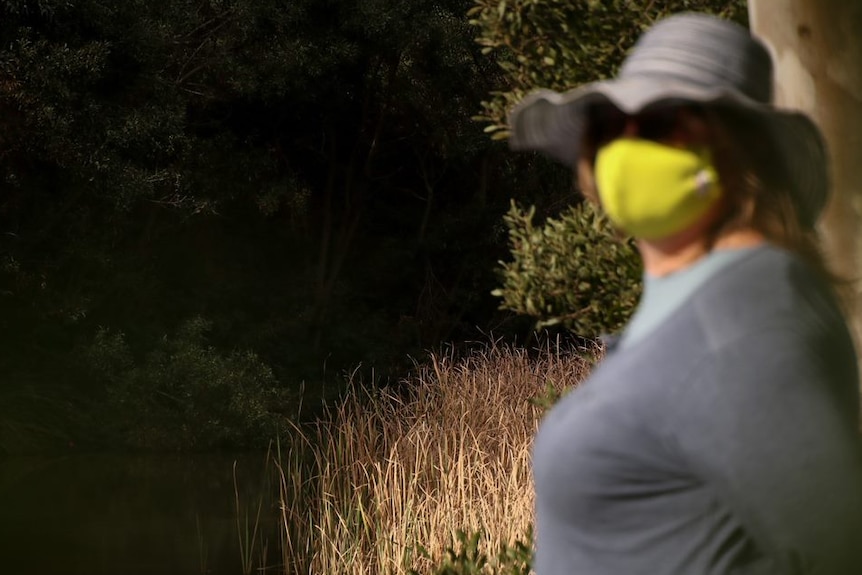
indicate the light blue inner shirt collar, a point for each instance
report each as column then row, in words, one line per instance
column 663, row 295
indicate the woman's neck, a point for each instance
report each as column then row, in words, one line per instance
column 668, row 255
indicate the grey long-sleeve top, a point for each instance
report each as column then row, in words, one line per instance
column 723, row 442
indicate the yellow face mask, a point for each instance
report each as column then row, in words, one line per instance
column 650, row 190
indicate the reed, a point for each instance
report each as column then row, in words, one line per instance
column 386, row 474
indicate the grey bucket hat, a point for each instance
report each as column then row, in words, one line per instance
column 691, row 57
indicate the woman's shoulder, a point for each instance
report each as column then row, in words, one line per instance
column 769, row 290
column 774, row 322
column 768, row 267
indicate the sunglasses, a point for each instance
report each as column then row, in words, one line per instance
column 606, row 122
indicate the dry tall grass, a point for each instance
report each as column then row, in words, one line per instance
column 385, row 473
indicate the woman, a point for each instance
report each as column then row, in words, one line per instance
column 719, row 434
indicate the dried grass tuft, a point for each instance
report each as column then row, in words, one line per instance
column 385, row 473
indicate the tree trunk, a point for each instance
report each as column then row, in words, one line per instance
column 817, row 50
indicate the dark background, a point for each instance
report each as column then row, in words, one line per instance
column 236, row 203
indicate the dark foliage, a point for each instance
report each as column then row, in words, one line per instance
column 305, row 175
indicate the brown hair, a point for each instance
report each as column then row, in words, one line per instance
column 755, row 180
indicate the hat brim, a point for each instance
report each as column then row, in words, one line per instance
column 553, row 123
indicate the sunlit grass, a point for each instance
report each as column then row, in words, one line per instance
column 383, row 474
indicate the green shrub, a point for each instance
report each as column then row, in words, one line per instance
column 560, row 45
column 185, row 394
column 573, row 270
column 466, row 558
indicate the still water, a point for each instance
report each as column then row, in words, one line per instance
column 135, row 515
